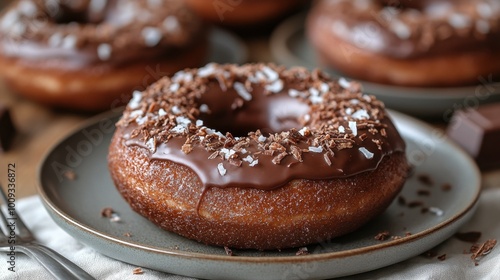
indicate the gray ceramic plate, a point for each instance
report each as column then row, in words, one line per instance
column 76, row 204
column 290, row 47
column 226, row 47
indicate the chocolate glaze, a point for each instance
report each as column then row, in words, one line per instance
column 408, row 29
column 271, row 113
column 72, row 35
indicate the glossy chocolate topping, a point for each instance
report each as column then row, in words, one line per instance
column 259, row 125
column 411, row 28
column 84, row 32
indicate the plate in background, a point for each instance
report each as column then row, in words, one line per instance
column 290, row 47
column 75, row 205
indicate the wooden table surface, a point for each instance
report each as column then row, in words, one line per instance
column 39, row 128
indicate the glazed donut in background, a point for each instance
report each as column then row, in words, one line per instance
column 410, row 43
column 89, row 54
column 243, row 13
column 256, row 156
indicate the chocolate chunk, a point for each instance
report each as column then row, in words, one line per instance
column 7, row 129
column 478, row 133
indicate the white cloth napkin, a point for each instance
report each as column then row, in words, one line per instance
column 457, row 265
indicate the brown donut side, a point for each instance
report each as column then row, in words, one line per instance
column 96, row 87
column 299, row 213
column 451, row 69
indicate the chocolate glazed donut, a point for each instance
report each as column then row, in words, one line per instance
column 410, row 43
column 89, row 54
column 256, row 156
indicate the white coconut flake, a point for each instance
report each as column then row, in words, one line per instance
column 182, row 120
column 176, row 110
column 254, row 163
column 135, row 102
column 316, row 99
column 459, row 21
column 314, row 92
column 162, row 112
column 353, row 127
column 152, row 36
column 316, row 149
column 482, row 26
column 275, row 87
column 348, row 111
column 179, row 129
column 303, row 130
column 484, row 10
column 174, row 87
column 171, row 24
column 151, row 145
column 366, row 153
column 261, row 138
column 141, row 120
column 248, row 159
column 182, row 76
column 243, row 151
column 27, row 8
column 204, row 108
column 341, row 129
column 9, row 19
column 69, row 42
column 354, row 101
column 136, row 113
column 293, row 93
column 227, row 152
column 307, row 117
column 436, row 211
column 199, row 123
column 206, row 70
column 324, row 88
column 270, row 74
column 400, row 29
column 360, row 114
column 55, row 40
column 104, row 51
column 97, row 6
column 242, row 91
column 221, row 169
column 344, row 83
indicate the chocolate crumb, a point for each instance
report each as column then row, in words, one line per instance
column 425, row 179
column 424, row 210
column 480, row 250
column 137, row 270
column 127, row 234
column 415, row 203
column 401, row 200
column 382, row 236
column 228, row 251
column 442, row 257
column 302, row 251
column 446, row 187
column 423, row 193
column 471, row 236
column 107, row 212
column 70, row 175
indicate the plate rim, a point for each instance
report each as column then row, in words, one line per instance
column 248, row 259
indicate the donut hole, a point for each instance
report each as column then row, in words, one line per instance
column 269, row 114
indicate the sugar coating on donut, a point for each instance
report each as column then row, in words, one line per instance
column 339, row 117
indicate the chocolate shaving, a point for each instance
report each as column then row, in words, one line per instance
column 107, row 212
column 137, row 270
column 480, row 250
column 228, row 251
column 302, row 251
column 382, row 236
column 425, row 179
column 442, row 257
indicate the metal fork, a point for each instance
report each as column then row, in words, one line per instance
column 17, row 237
